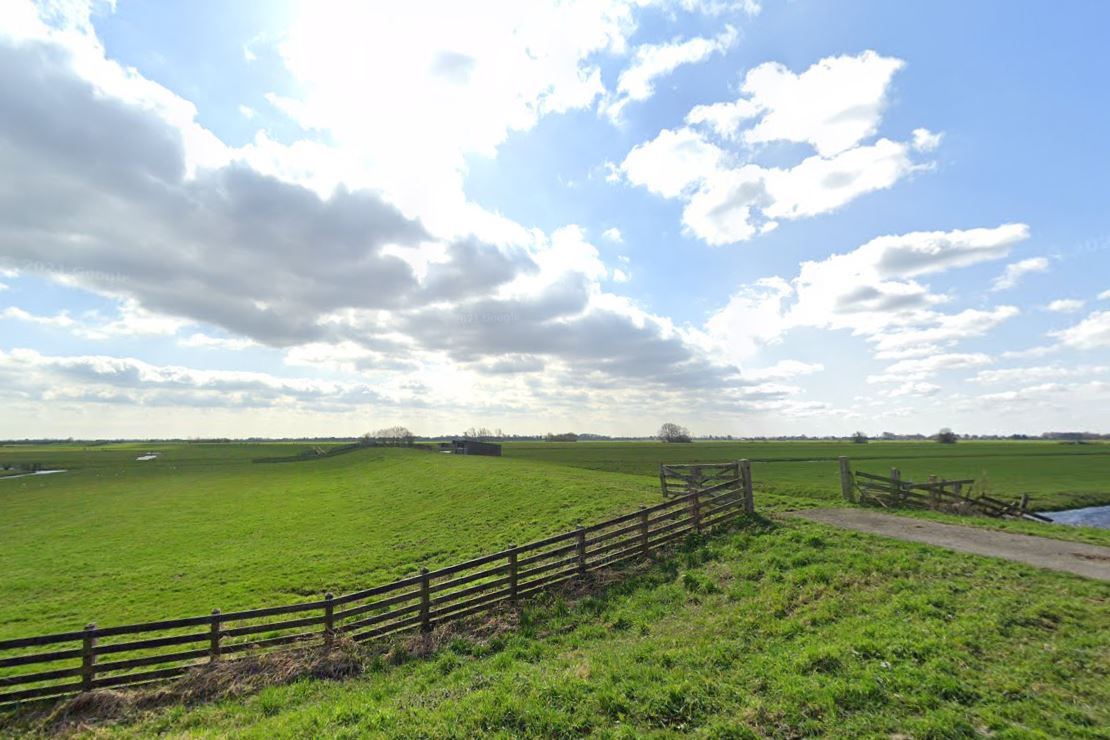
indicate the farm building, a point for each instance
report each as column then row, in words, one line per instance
column 475, row 447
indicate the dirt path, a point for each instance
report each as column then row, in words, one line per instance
column 1091, row 561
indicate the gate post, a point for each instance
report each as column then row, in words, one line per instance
column 896, row 486
column 846, row 481
column 746, row 475
column 88, row 657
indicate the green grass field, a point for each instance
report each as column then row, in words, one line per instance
column 718, row 646
column 1056, row 476
column 775, row 630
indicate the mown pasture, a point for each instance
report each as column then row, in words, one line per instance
column 116, row 540
column 1055, row 475
column 783, row 628
column 204, row 526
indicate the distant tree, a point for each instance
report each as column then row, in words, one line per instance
column 946, row 436
column 860, row 438
column 565, row 437
column 391, row 436
column 673, row 433
column 478, row 433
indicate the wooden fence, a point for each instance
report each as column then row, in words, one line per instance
column 101, row 657
column 731, row 477
column 936, row 494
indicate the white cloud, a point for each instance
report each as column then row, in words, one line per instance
column 1037, row 373
column 200, row 340
column 872, row 291
column 131, row 320
column 834, row 106
column 672, row 163
column 752, row 318
column 925, row 140
column 1031, row 352
column 946, row 329
column 1016, row 270
column 652, row 61
column 614, row 235
column 919, row 389
column 782, row 370
column 922, row 368
column 1092, row 332
column 1065, row 305
column 867, row 288
column 247, row 112
column 60, row 320
column 620, row 276
column 818, row 184
column 1104, row 295
column 101, row 379
column 723, row 118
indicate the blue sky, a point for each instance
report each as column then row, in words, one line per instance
column 289, row 219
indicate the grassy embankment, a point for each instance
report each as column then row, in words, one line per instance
column 776, row 630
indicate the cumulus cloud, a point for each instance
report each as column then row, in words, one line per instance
column 782, row 370
column 925, row 140
column 1016, row 270
column 919, row 389
column 652, row 61
column 834, row 107
column 1038, row 373
column 1092, row 332
column 921, row 368
column 1065, row 305
column 874, row 291
column 200, row 340
column 108, row 195
column 1104, row 295
column 94, row 378
column 614, row 235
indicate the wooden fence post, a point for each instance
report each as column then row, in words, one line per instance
column 695, row 511
column 934, row 492
column 88, row 657
column 425, row 602
column 214, row 641
column 746, row 474
column 329, row 618
column 644, row 546
column 846, row 480
column 895, row 486
column 512, row 572
column 1024, row 503
column 580, row 548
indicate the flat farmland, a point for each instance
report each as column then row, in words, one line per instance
column 776, row 628
column 117, row 540
column 1055, row 475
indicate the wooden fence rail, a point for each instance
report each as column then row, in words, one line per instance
column 891, row 491
column 100, row 657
